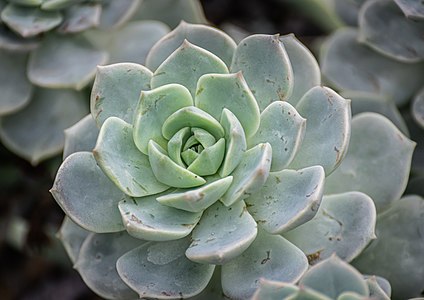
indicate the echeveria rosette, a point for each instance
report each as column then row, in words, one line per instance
column 204, row 158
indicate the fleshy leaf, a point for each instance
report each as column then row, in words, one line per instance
column 13, row 42
column 273, row 290
column 235, row 142
column 12, row 70
column 203, row 137
column 161, row 270
column 397, row 253
column 402, row 39
column 223, row 234
column 86, row 195
column 196, row 62
column 327, row 129
column 203, row 36
column 24, row 2
column 288, row 199
column 266, row 68
column 153, row 109
column 306, row 72
column 250, row 174
column 411, row 8
column 29, row 21
column 80, row 17
column 81, row 137
column 197, row 199
column 57, row 4
column 169, row 172
column 351, row 296
column 417, row 108
column 218, row 91
column 378, row 150
column 209, row 160
column 344, row 224
column 332, row 277
column 97, row 263
column 64, row 62
column 350, row 66
column 122, row 162
column 376, row 291
column 283, row 128
column 116, row 91
column 309, row 294
column 191, row 116
column 72, row 236
column 213, row 290
column 147, row 219
column 36, row 131
column 116, row 13
column 270, row 257
column 175, row 145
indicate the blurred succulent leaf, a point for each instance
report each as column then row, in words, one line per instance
column 64, row 62
column 350, row 66
column 29, row 21
column 26, row 2
column 397, row 252
column 327, row 131
column 213, row 290
column 81, row 136
column 96, row 263
column 13, row 42
column 122, row 162
column 116, row 13
column 288, row 199
column 283, row 128
column 377, row 291
column 72, row 237
column 165, row 265
column 402, row 40
column 81, row 187
column 147, row 219
column 57, row 4
column 417, row 108
column 374, row 141
column 206, row 37
column 411, row 8
column 36, row 131
column 171, row 12
column 344, row 224
column 250, row 174
column 332, row 277
column 273, row 290
column 80, row 17
column 12, row 70
column 116, row 91
column 266, row 68
column 306, row 72
column 270, row 257
column 197, row 61
column 223, row 234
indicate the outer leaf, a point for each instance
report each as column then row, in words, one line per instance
column 397, row 253
column 116, row 13
column 161, row 270
column 186, row 65
column 378, row 150
column 327, row 131
column 64, row 62
column 376, row 290
column 266, row 68
column 120, row 160
column 401, row 39
column 283, row 128
column 97, row 260
column 152, row 111
column 344, row 224
column 417, row 108
column 57, row 4
column 270, row 257
column 147, row 219
column 12, row 70
column 81, row 137
column 72, row 236
column 12, row 42
column 206, row 37
column 36, row 132
column 288, row 199
column 223, row 234
column 80, row 17
column 235, row 142
column 218, row 91
column 308, row 294
column 273, row 290
column 86, row 195
column 213, row 290
column 28, row 21
column 197, row 199
column 350, row 66
column 250, row 174
column 411, row 8
column 306, row 72
column 332, row 277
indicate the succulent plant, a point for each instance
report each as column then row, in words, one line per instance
column 330, row 279
column 49, row 51
column 204, row 171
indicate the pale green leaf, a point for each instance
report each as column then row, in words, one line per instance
column 82, row 136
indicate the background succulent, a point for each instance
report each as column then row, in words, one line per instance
column 240, row 137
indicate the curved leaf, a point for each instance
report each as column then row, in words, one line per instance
column 72, row 237
column 273, row 290
column 13, row 42
column 411, row 8
column 80, row 17
column 116, row 13
column 81, row 137
column 417, row 108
